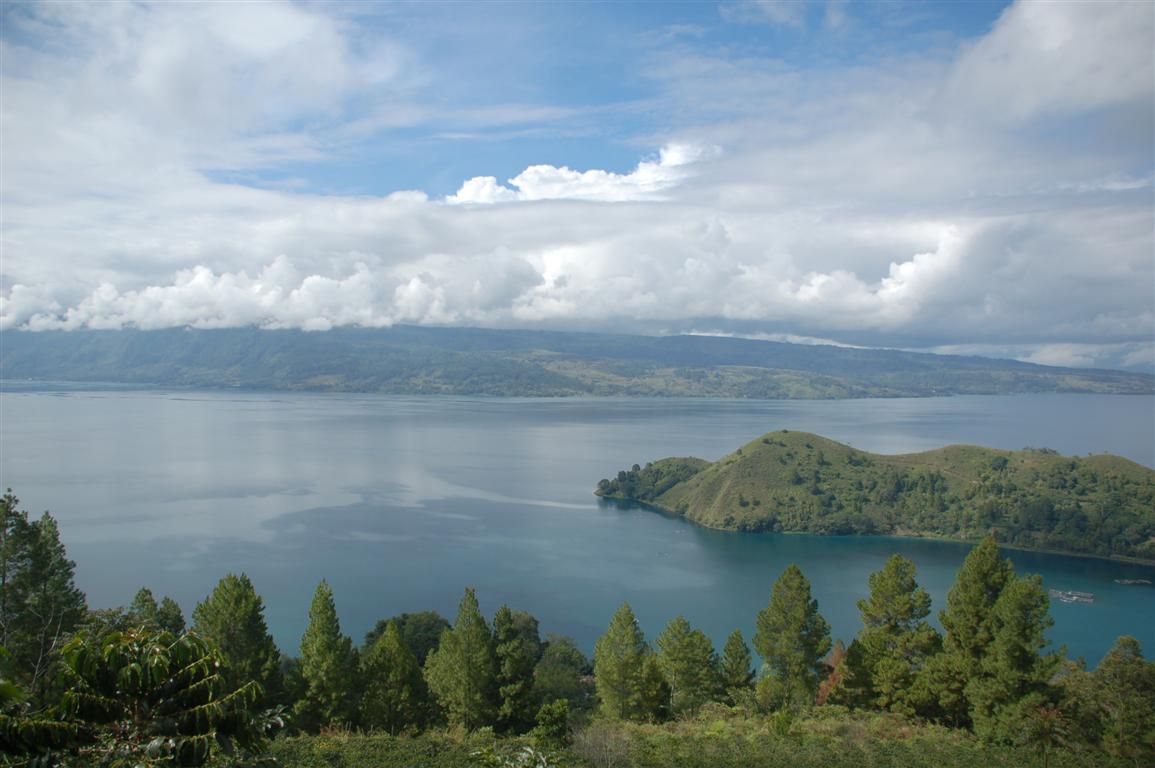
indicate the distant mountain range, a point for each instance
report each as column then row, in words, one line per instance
column 424, row 360
column 801, row 483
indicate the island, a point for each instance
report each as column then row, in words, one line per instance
column 797, row 482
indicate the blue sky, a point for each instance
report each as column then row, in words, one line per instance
column 964, row 177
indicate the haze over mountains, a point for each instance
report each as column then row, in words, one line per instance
column 425, row 360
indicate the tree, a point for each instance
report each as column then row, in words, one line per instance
column 619, row 657
column 1013, row 679
column 147, row 697
column 39, row 602
column 941, row 689
column 737, row 664
column 233, row 617
column 145, row 611
column 517, row 646
column 328, row 666
column 559, row 674
column 462, row 671
column 792, row 638
column 421, row 632
column 1124, row 692
column 689, row 666
column 895, row 642
column 395, row 692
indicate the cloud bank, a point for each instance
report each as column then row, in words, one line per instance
column 993, row 196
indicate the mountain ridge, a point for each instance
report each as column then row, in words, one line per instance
column 425, row 360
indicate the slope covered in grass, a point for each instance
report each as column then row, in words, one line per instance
column 799, row 482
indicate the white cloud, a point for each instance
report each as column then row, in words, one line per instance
column 848, row 204
column 547, row 182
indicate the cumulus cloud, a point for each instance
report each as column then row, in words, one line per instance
column 848, row 204
column 547, row 182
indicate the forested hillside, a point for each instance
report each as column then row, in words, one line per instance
column 413, row 360
column 135, row 686
column 798, row 482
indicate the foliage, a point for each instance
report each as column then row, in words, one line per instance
column 39, row 602
column 619, row 661
column 147, row 697
column 1124, row 692
column 233, row 617
column 736, row 665
column 517, row 646
column 563, row 672
column 145, row 611
column 792, row 639
column 328, row 667
column 798, row 482
column 689, row 666
column 421, row 632
column 395, row 695
column 462, row 671
column 894, row 643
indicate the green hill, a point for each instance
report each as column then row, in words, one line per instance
column 799, row 482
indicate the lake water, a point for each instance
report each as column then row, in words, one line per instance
column 401, row 502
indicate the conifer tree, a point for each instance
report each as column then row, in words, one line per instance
column 167, row 616
column 1124, row 693
column 395, row 691
column 559, row 674
column 941, row 689
column 328, row 666
column 462, row 672
column 233, row 617
column 895, row 642
column 517, row 645
column 1013, row 678
column 689, row 665
column 619, row 658
column 792, row 639
column 39, row 602
column 736, row 664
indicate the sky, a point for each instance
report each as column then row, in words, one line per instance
column 964, row 177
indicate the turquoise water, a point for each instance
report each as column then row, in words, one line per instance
column 401, row 502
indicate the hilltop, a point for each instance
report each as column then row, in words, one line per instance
column 799, row 482
column 473, row 361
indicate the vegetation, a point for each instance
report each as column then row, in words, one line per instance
column 798, row 482
column 413, row 360
column 128, row 692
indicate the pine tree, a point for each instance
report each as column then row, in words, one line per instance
column 1124, row 693
column 169, row 616
column 145, row 612
column 689, row 666
column 462, row 671
column 517, row 645
column 941, row 688
column 233, row 617
column 619, row 657
column 328, row 666
column 395, row 691
column 895, row 642
column 1013, row 679
column 39, row 602
column 736, row 665
column 792, row 639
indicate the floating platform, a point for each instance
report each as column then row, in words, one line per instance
column 1132, row 581
column 1071, row 596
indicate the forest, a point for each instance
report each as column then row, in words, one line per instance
column 143, row 686
column 789, row 481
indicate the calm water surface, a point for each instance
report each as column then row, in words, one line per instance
column 401, row 502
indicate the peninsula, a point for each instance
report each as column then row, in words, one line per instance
column 799, row 482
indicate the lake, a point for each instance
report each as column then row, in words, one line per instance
column 401, row 502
